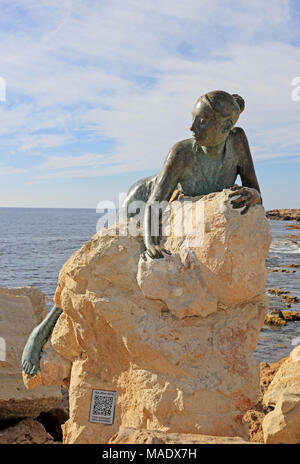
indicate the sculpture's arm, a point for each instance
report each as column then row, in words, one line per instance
column 166, row 183
column 247, row 173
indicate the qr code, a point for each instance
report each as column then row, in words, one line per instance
column 103, row 406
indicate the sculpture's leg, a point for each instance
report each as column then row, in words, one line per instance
column 34, row 344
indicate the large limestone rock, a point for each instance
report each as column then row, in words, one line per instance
column 282, row 425
column 20, row 310
column 174, row 338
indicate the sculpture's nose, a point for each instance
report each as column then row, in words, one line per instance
column 193, row 125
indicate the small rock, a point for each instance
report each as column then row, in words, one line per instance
column 27, row 431
column 274, row 320
column 290, row 299
column 282, row 425
column 278, row 291
column 291, row 315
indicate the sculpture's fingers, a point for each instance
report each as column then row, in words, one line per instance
column 149, row 253
column 244, row 211
column 235, row 187
column 175, row 195
column 234, row 194
column 238, row 200
column 154, row 252
column 158, row 252
column 239, row 205
column 33, row 370
column 166, row 251
column 27, row 367
column 242, row 192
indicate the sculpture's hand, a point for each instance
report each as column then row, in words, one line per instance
column 154, row 252
column 248, row 197
column 176, row 195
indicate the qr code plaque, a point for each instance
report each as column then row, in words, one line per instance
column 103, row 407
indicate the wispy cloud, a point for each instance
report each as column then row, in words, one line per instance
column 29, row 142
column 10, row 170
column 127, row 72
column 64, row 162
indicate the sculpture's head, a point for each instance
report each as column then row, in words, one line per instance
column 214, row 115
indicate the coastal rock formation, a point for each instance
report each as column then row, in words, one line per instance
column 282, row 425
column 284, row 214
column 20, row 310
column 280, row 318
column 173, row 338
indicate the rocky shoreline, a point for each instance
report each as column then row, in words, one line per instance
column 284, row 214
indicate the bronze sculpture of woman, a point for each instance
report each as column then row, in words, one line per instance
column 208, row 162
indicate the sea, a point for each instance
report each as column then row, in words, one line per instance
column 36, row 242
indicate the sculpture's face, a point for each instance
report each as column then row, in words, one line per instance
column 209, row 126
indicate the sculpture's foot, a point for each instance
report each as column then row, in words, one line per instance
column 32, row 351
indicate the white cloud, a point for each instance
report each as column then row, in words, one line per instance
column 10, row 170
column 85, row 66
column 29, row 142
column 64, row 162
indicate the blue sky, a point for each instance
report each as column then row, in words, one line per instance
column 97, row 92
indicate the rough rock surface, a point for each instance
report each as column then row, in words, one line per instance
column 129, row 436
column 25, row 432
column 255, row 416
column 52, row 421
column 20, row 310
column 268, row 372
column 282, row 425
column 36, row 297
column 173, row 338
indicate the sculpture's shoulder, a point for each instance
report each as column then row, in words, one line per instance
column 237, row 133
column 178, row 156
column 180, row 149
column 239, row 142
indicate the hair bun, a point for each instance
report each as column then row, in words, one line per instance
column 240, row 101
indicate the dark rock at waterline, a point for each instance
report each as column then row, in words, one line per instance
column 284, row 214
